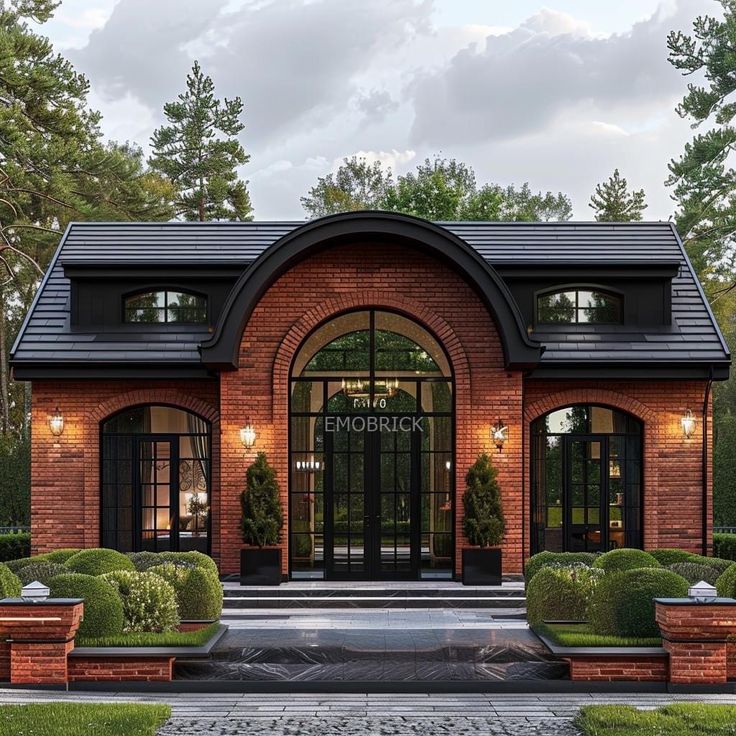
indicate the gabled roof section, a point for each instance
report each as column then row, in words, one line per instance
column 47, row 344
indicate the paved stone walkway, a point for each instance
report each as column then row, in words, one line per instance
column 304, row 714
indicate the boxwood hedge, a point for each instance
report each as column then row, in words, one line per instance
column 561, row 593
column 98, row 561
column 669, row 556
column 15, row 545
column 10, row 584
column 103, row 609
column 41, row 570
column 536, row 562
column 618, row 560
column 623, row 603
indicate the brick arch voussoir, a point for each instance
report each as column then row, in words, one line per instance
column 364, row 300
column 171, row 396
column 588, row 396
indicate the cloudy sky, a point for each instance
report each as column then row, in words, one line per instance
column 557, row 94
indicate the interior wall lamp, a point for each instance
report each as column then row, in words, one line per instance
column 248, row 434
column 688, row 424
column 56, row 422
column 499, row 434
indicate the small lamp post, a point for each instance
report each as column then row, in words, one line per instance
column 702, row 592
column 34, row 592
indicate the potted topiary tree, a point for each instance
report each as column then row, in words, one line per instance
column 263, row 518
column 483, row 524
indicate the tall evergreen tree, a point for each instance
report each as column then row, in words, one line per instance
column 613, row 202
column 199, row 152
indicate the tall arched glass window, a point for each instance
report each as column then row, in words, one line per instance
column 371, row 492
column 155, row 480
column 586, row 480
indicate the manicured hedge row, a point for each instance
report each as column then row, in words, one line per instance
column 13, row 546
column 724, row 545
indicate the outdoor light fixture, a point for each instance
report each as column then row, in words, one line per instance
column 34, row 592
column 499, row 434
column 359, row 388
column 56, row 422
column 688, row 424
column 248, row 434
column 702, row 592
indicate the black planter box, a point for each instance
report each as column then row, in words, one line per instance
column 482, row 566
column 260, row 566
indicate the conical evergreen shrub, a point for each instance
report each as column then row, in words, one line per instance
column 483, row 522
column 263, row 516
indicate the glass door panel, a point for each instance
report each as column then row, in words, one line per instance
column 158, row 486
column 585, row 478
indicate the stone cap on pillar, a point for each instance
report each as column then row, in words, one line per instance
column 45, row 602
column 693, row 602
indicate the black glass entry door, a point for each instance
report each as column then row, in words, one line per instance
column 372, row 502
column 586, row 484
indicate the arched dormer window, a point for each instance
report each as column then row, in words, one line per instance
column 579, row 305
column 165, row 305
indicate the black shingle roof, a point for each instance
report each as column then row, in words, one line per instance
column 693, row 336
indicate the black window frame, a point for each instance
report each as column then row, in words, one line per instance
column 611, row 294
column 167, row 290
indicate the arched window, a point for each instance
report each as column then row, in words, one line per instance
column 165, row 305
column 573, row 306
column 155, row 480
column 586, row 480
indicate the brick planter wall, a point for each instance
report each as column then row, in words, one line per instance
column 121, row 669
column 695, row 636
column 37, row 639
column 637, row 668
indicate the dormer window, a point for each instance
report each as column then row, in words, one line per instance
column 165, row 306
column 574, row 306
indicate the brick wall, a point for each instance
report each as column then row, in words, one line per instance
column 637, row 668
column 120, row 669
column 65, row 475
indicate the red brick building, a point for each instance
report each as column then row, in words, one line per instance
column 372, row 357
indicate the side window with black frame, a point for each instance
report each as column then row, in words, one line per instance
column 165, row 305
column 579, row 306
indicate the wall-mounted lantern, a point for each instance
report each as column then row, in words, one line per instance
column 56, row 422
column 248, row 434
column 688, row 424
column 499, row 434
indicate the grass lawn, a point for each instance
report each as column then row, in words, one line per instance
column 166, row 639
column 82, row 719
column 680, row 719
column 580, row 635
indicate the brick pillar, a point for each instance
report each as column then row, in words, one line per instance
column 39, row 637
column 695, row 636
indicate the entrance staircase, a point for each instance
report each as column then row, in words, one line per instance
column 369, row 636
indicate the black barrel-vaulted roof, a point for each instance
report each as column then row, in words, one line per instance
column 692, row 341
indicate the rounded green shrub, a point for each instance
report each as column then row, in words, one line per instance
column 98, row 561
column 149, row 602
column 618, row 560
column 694, row 572
column 726, row 583
column 536, row 562
column 10, row 584
column 715, row 562
column 623, row 602
column 198, row 591
column 60, row 556
column 193, row 559
column 143, row 560
column 43, row 571
column 669, row 556
column 561, row 593
column 103, row 609
column 19, row 564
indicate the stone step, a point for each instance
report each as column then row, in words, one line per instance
column 372, row 592
column 372, row 601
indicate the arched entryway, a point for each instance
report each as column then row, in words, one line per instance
column 371, row 451
column 155, row 480
column 586, row 480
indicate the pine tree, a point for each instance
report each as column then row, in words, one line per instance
column 613, row 202
column 199, row 152
column 263, row 516
column 483, row 522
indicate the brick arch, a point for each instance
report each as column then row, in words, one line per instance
column 585, row 395
column 170, row 396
